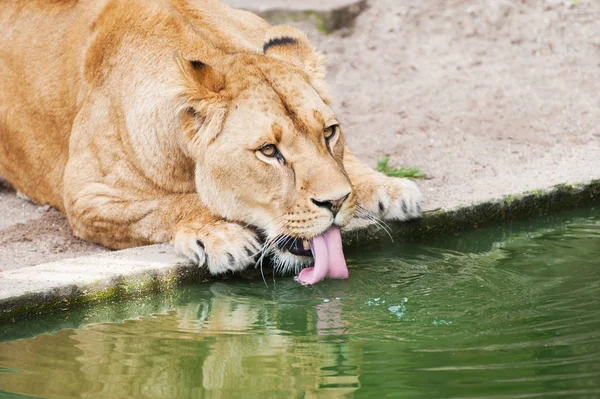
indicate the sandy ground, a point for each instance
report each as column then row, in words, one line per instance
column 488, row 97
column 32, row 234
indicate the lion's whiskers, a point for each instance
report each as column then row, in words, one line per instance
column 267, row 247
column 363, row 212
column 278, row 230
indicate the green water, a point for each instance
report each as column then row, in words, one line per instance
column 506, row 312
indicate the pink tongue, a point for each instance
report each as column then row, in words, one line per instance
column 337, row 262
column 329, row 258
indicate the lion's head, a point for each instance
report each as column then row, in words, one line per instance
column 268, row 148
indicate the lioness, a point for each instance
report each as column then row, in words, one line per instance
column 182, row 121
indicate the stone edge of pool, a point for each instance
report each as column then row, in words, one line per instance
column 560, row 197
column 139, row 271
column 92, row 279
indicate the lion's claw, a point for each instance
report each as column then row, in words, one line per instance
column 221, row 246
column 388, row 198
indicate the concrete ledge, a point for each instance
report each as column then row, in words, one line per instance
column 139, row 271
column 511, row 207
column 326, row 15
column 88, row 279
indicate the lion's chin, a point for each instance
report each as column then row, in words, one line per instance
column 287, row 263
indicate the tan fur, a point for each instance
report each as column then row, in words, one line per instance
column 143, row 120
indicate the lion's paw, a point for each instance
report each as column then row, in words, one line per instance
column 389, row 198
column 221, row 246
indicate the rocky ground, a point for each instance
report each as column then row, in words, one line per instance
column 487, row 97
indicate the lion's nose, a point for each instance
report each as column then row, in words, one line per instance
column 333, row 205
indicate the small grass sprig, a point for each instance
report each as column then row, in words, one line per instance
column 383, row 167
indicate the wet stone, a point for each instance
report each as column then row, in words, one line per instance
column 327, row 15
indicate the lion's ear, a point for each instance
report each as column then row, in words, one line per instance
column 291, row 45
column 197, row 80
column 199, row 92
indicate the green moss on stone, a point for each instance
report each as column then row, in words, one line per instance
column 117, row 289
column 535, row 203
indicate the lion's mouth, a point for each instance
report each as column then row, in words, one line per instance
column 295, row 246
column 328, row 254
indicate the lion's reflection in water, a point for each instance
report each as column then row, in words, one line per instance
column 226, row 346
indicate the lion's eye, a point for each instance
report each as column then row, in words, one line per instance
column 269, row 150
column 330, row 132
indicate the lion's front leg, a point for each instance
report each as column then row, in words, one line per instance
column 119, row 220
column 380, row 196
